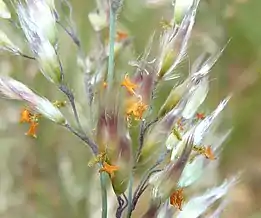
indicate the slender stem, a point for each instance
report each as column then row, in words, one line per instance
column 141, row 188
column 70, row 96
column 143, row 129
column 102, row 174
column 25, row 56
column 70, row 33
column 126, row 202
column 150, row 124
column 120, row 207
column 77, row 42
column 104, row 194
column 130, row 196
column 143, row 184
column 110, row 76
column 63, row 87
column 84, row 138
column 141, row 139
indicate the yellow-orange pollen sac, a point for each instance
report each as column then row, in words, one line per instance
column 130, row 86
column 99, row 158
column 25, row 116
column 206, row 151
column 110, row 169
column 176, row 199
column 165, row 24
column 104, row 84
column 59, row 104
column 200, row 116
column 209, row 153
column 136, row 108
column 32, row 119
column 32, row 129
column 180, row 124
column 121, row 36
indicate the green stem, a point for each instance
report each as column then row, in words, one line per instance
column 130, row 196
column 110, row 76
column 104, row 194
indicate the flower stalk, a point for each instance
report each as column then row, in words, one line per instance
column 103, row 179
column 110, row 76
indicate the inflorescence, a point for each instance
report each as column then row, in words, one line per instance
column 165, row 150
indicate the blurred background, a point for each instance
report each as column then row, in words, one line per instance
column 49, row 176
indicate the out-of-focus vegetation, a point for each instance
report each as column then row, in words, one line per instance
column 36, row 174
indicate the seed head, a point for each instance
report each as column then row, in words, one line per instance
column 36, row 17
column 39, row 26
column 12, row 89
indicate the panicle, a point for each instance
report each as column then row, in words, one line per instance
column 175, row 145
column 12, row 89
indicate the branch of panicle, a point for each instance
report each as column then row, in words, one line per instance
column 123, row 203
column 144, row 181
column 143, row 129
column 70, row 30
column 84, row 138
